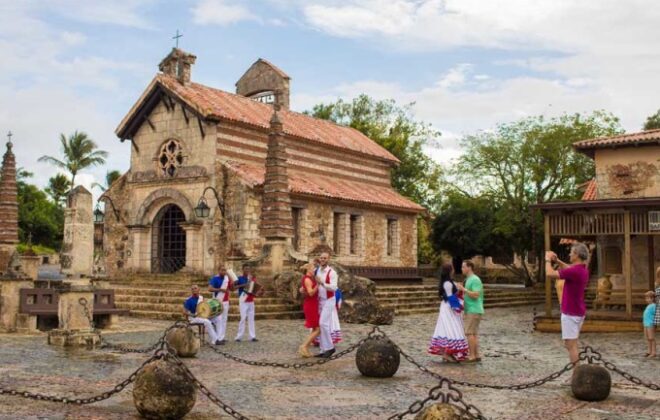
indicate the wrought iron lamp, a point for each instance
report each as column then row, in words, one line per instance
column 99, row 216
column 203, row 210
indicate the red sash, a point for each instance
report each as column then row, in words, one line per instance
column 328, row 293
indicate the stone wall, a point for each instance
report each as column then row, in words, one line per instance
column 146, row 189
column 628, row 172
column 263, row 76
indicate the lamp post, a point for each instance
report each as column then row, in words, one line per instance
column 114, row 209
column 203, row 210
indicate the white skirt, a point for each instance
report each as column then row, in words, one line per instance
column 335, row 330
column 449, row 335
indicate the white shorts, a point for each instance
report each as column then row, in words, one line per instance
column 570, row 326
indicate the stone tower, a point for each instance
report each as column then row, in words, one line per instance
column 266, row 83
column 276, row 220
column 178, row 64
column 8, row 208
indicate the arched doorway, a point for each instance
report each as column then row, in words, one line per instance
column 168, row 240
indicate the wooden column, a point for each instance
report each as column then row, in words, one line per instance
column 651, row 250
column 548, row 280
column 626, row 263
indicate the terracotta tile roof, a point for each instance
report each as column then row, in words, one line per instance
column 215, row 103
column 643, row 137
column 323, row 186
column 589, row 191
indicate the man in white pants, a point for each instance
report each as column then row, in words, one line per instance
column 190, row 309
column 246, row 304
column 327, row 279
column 220, row 286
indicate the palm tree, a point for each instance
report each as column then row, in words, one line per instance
column 57, row 188
column 79, row 153
column 110, row 177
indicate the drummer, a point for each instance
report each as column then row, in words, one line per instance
column 190, row 310
column 246, row 303
column 220, row 286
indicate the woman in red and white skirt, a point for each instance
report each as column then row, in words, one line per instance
column 310, row 307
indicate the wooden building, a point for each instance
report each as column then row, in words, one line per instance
column 620, row 213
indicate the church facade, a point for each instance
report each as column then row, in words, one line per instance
column 215, row 175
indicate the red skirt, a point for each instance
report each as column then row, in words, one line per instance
column 310, row 308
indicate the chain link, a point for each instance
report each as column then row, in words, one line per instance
column 81, row 401
column 594, row 357
column 105, row 344
column 374, row 333
column 451, row 396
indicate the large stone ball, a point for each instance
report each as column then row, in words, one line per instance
column 184, row 341
column 591, row 383
column 163, row 391
column 377, row 358
column 438, row 411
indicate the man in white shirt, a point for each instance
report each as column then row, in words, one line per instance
column 327, row 279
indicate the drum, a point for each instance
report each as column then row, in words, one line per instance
column 209, row 308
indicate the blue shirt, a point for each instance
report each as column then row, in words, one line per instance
column 216, row 281
column 649, row 314
column 191, row 304
column 241, row 282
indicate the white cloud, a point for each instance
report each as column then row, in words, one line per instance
column 116, row 12
column 221, row 12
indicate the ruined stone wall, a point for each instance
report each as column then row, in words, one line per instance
column 631, row 172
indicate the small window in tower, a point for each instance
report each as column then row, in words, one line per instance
column 267, row 97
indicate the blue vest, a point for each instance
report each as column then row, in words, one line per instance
column 191, row 304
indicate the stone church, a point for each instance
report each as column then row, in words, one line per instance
column 215, row 176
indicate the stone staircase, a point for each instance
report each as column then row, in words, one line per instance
column 423, row 298
column 162, row 296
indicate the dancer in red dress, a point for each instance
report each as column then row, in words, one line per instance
column 310, row 306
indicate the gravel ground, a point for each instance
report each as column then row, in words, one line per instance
column 513, row 354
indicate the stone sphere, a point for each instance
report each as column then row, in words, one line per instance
column 591, row 383
column 377, row 358
column 163, row 391
column 438, row 411
column 184, row 341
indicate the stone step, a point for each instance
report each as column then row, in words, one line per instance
column 232, row 317
column 435, row 305
column 436, row 301
column 179, row 299
column 174, row 308
column 425, row 310
column 435, row 293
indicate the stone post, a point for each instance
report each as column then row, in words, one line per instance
column 78, row 244
column 74, row 327
column 30, row 265
column 10, row 293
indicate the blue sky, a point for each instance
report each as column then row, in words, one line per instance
column 467, row 64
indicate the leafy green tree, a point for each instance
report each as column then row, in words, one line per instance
column 37, row 215
column 394, row 128
column 110, row 177
column 653, row 121
column 79, row 152
column 464, row 226
column 58, row 187
column 525, row 162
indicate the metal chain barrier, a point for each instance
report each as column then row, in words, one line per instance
column 172, row 357
column 105, row 344
column 527, row 385
column 594, row 357
column 82, row 401
column 375, row 332
column 453, row 396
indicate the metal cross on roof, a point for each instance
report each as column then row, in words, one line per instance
column 9, row 134
column 176, row 38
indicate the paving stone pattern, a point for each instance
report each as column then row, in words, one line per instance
column 514, row 354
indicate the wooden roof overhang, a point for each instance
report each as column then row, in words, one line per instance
column 142, row 109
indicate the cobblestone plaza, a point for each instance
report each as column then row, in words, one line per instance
column 513, row 354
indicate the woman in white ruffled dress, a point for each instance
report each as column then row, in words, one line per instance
column 449, row 336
